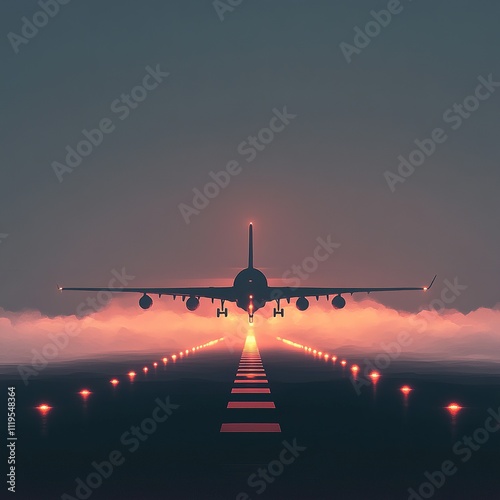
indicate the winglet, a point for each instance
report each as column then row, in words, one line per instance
column 432, row 282
column 250, row 246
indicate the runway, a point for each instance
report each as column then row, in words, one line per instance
column 258, row 422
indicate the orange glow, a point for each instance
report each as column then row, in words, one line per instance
column 145, row 369
column 44, row 408
column 114, row 382
column 174, row 357
column 165, row 360
column 85, row 393
column 334, row 358
column 374, row 375
column 355, row 369
column 155, row 364
column 343, row 362
column 406, row 390
column 320, row 353
column 315, row 351
column 326, row 357
column 131, row 375
column 453, row 408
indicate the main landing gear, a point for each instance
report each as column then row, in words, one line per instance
column 222, row 311
column 279, row 311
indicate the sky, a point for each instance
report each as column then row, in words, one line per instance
column 347, row 104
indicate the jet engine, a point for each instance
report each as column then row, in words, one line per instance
column 145, row 301
column 192, row 303
column 302, row 303
column 338, row 302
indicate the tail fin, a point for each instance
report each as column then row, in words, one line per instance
column 250, row 246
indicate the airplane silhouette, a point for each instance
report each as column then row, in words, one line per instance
column 250, row 291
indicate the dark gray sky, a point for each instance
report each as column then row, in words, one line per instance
column 322, row 175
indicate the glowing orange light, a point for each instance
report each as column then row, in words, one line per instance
column 343, row 362
column 164, row 361
column 44, row 408
column 374, row 376
column 85, row 393
column 320, row 353
column 114, row 382
column 334, row 358
column 174, row 357
column 326, row 357
column 131, row 375
column 181, row 354
column 315, row 351
column 406, row 390
column 453, row 408
column 251, row 296
column 187, row 351
column 145, row 369
column 192, row 349
column 355, row 368
column 425, row 288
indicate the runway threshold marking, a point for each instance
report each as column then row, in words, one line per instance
column 251, row 363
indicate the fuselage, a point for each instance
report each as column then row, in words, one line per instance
column 251, row 289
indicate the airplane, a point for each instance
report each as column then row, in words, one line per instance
column 250, row 291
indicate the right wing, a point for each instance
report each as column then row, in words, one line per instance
column 209, row 292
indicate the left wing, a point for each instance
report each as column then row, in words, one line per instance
column 210, row 292
column 291, row 292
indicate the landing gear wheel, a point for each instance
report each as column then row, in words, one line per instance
column 222, row 312
column 278, row 312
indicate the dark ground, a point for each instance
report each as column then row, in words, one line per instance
column 367, row 446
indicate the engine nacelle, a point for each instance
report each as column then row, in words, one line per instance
column 192, row 303
column 145, row 301
column 338, row 302
column 302, row 303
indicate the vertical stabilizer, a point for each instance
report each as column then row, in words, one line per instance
column 250, row 246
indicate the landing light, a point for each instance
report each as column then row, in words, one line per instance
column 85, row 393
column 453, row 408
column 406, row 389
column 114, row 382
column 44, row 408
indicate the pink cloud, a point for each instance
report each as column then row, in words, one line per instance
column 362, row 326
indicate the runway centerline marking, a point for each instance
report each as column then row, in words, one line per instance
column 250, row 371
